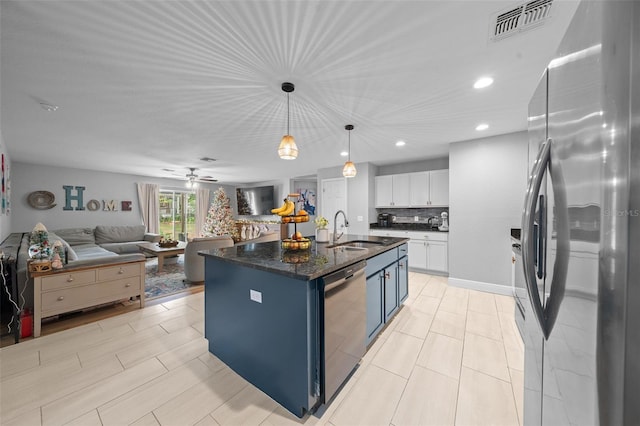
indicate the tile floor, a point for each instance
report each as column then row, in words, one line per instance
column 450, row 356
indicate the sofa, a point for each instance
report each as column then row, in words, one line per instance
column 86, row 247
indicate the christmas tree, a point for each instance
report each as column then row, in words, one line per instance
column 220, row 217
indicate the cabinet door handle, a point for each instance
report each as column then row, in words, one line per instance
column 401, row 265
column 70, row 279
column 127, row 285
column 387, row 275
column 61, row 298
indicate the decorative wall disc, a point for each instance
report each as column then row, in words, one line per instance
column 41, row 200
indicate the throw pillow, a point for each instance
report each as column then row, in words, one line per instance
column 71, row 254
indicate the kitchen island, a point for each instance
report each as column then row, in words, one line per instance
column 265, row 311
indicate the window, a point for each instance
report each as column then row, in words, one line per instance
column 177, row 214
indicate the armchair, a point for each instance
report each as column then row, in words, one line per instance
column 194, row 263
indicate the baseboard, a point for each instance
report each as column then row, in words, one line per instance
column 429, row 272
column 481, row 286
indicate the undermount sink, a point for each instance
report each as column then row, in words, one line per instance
column 355, row 245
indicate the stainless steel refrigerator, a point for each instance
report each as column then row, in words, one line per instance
column 581, row 225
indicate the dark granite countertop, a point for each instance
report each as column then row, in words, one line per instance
column 317, row 261
column 406, row 227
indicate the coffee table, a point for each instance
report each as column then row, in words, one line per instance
column 160, row 252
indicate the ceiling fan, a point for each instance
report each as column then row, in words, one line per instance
column 193, row 179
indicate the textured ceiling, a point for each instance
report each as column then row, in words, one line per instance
column 143, row 86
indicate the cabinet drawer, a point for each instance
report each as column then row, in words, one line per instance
column 431, row 236
column 68, row 279
column 119, row 271
column 381, row 261
column 54, row 302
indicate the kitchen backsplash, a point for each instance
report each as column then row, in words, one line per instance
column 409, row 214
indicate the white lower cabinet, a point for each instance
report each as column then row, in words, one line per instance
column 427, row 250
column 417, row 254
column 437, row 259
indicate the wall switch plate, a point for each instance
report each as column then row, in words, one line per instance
column 360, row 218
column 416, row 218
column 256, row 296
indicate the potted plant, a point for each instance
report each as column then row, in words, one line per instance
column 322, row 233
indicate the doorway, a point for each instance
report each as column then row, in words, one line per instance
column 177, row 214
column 333, row 198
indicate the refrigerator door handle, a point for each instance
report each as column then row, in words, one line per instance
column 541, row 236
column 561, row 229
column 528, row 239
column 546, row 316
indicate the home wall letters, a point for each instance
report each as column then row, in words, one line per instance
column 74, row 195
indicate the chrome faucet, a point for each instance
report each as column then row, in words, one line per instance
column 335, row 225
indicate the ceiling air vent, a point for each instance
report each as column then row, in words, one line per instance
column 520, row 18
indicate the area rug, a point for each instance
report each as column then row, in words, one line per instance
column 169, row 281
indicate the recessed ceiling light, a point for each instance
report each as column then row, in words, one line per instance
column 401, row 143
column 344, row 153
column 483, row 82
column 482, row 126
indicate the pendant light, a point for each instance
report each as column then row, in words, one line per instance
column 288, row 149
column 349, row 169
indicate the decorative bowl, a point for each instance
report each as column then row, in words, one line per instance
column 167, row 244
column 289, row 244
column 295, row 218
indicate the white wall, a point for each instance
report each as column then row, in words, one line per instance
column 27, row 178
column 414, row 166
column 487, row 182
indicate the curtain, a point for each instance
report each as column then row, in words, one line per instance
column 202, row 207
column 148, row 197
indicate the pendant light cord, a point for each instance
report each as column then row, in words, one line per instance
column 349, row 145
column 288, row 114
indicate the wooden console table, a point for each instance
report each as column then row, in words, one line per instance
column 67, row 290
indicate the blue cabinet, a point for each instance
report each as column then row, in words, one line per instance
column 375, row 299
column 390, row 291
column 403, row 279
column 387, row 288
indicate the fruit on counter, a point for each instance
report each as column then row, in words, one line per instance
column 290, row 208
column 303, row 212
column 297, row 236
column 281, row 208
column 286, row 209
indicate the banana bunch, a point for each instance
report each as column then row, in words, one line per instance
column 285, row 209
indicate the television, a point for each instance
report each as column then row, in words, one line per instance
column 255, row 201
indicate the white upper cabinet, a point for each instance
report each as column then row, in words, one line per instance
column 419, row 189
column 384, row 191
column 392, row 191
column 419, row 184
column 439, row 187
column 401, row 190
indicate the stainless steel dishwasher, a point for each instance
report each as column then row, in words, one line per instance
column 344, row 326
